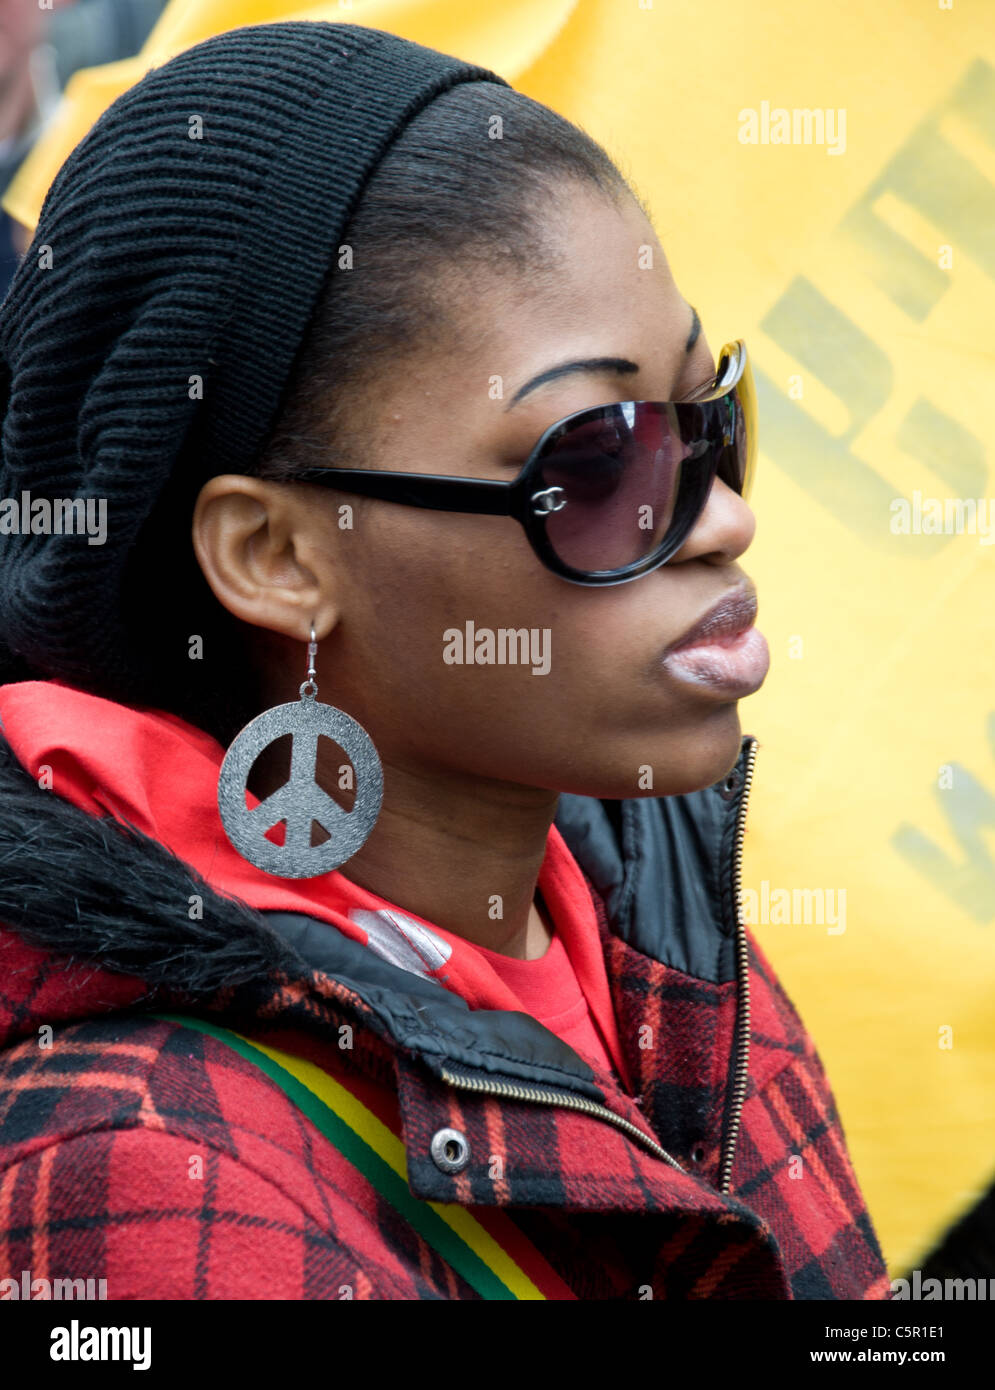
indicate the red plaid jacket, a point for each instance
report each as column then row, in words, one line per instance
column 726, row 1176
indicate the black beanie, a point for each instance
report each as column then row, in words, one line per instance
column 149, row 335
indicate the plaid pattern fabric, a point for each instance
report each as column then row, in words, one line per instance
column 157, row 1158
column 792, row 1165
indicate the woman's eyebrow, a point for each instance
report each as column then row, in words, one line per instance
column 584, row 364
column 621, row 365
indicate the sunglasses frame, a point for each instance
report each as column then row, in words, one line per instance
column 531, row 505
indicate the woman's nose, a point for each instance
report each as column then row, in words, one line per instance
column 724, row 529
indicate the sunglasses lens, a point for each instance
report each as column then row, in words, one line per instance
column 618, row 471
column 634, row 477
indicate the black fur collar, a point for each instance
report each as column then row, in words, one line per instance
column 96, row 892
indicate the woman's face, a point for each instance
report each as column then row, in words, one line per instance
column 595, row 705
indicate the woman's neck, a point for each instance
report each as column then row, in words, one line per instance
column 464, row 854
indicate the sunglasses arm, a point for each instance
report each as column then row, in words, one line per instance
column 439, row 492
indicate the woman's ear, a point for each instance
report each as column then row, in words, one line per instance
column 254, row 542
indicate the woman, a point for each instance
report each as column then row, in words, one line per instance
column 505, row 972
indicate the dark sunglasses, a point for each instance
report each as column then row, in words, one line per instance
column 608, row 493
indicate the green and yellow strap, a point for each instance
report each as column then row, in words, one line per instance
column 498, row 1262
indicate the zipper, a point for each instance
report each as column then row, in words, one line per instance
column 537, row 1093
column 742, row 1029
column 741, row 1035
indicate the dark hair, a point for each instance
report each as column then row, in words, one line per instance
column 470, row 180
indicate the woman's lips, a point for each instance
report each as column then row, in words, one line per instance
column 735, row 664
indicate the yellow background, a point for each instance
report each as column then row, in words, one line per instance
column 882, row 665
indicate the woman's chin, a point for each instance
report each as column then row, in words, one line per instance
column 697, row 759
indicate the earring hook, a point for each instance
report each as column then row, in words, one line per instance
column 309, row 689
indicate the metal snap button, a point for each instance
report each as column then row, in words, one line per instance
column 697, row 1154
column 730, row 784
column 450, row 1150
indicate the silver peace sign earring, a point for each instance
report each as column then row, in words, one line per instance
column 300, row 801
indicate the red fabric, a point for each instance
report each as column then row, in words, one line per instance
column 550, row 991
column 160, row 774
column 98, row 1127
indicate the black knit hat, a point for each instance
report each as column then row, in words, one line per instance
column 151, row 330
